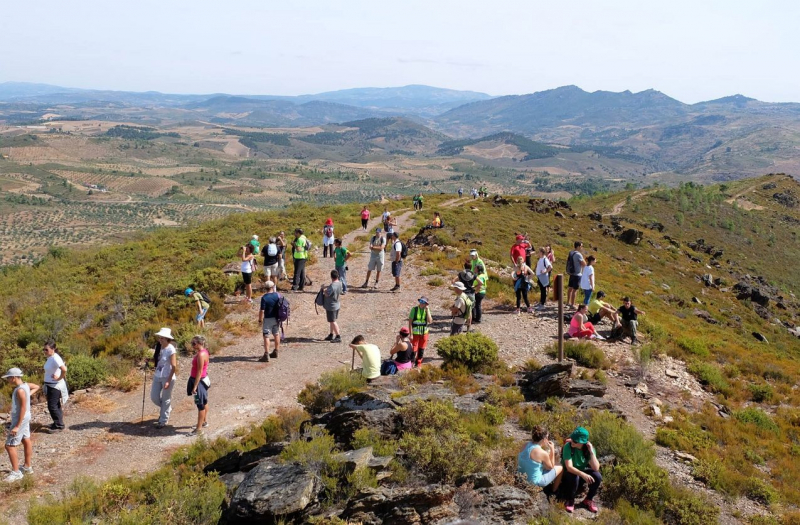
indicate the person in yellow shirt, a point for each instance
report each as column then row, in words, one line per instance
column 370, row 358
column 300, row 256
column 600, row 309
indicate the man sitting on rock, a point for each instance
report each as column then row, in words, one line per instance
column 580, row 467
column 599, row 309
column 630, row 318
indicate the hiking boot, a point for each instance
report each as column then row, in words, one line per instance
column 264, row 358
column 589, row 504
column 395, row 288
column 26, row 470
column 365, row 285
column 569, row 506
column 274, row 354
column 337, row 339
column 13, row 476
column 375, row 285
column 330, row 336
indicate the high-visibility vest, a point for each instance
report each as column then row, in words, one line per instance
column 300, row 248
column 419, row 321
column 475, row 263
column 483, row 278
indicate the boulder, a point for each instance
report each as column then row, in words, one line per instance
column 355, row 459
column 478, row 480
column 342, row 425
column 705, row 316
column 596, row 216
column 786, row 198
column 582, row 387
column 631, row 236
column 244, row 461
column 426, row 392
column 401, row 506
column 272, row 492
column 506, row 504
column 759, row 336
column 590, row 402
column 550, row 380
column 745, row 290
column 374, row 399
column 559, row 214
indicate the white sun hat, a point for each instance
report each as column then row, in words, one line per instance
column 166, row 333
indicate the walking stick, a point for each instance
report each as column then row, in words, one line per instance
column 144, row 389
column 353, row 361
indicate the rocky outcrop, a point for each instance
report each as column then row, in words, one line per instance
column 547, row 205
column 700, row 246
column 406, row 506
column 786, row 198
column 596, row 216
column 556, row 380
column 238, row 461
column 631, row 236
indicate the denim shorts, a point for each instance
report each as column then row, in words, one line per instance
column 547, row 478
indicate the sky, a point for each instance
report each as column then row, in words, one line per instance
column 691, row 50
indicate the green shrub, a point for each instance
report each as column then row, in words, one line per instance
column 687, row 437
column 531, row 365
column 504, row 397
column 757, row 417
column 85, row 371
column 759, row 490
column 629, row 514
column 331, row 387
column 611, row 435
column 585, row 353
column 686, row 507
column 436, row 415
column 694, row 346
column 709, row 375
column 560, row 422
column 473, row 350
column 641, row 484
column 761, row 393
column 492, row 414
column 368, row 437
column 212, row 281
column 442, row 456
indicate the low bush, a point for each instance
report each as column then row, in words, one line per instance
column 612, row 435
column 710, row 376
column 686, row 507
column 693, row 346
column 682, row 435
column 473, row 350
column 761, row 393
column 759, row 490
column 585, row 353
column 559, row 422
column 85, row 371
column 331, row 387
column 641, row 484
column 368, row 437
column 757, row 417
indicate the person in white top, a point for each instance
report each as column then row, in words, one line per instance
column 588, row 280
column 165, row 376
column 397, row 260
column 55, row 386
column 248, row 267
column 543, row 269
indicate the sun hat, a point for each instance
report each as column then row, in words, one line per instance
column 166, row 333
column 188, row 292
column 423, row 299
column 520, row 237
column 255, row 237
column 473, row 252
column 329, row 222
column 580, row 435
column 404, row 331
column 459, row 286
column 13, row 372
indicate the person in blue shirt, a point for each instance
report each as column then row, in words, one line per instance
column 537, row 460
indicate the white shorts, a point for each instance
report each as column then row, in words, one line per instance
column 548, row 476
column 327, row 241
column 271, row 270
column 15, row 440
column 375, row 263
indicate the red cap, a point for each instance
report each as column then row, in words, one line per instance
column 404, row 331
column 329, row 222
column 520, row 237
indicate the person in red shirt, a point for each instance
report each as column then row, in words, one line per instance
column 518, row 249
column 364, row 218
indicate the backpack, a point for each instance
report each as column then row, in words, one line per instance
column 388, row 368
column 570, row 263
column 403, row 250
column 205, row 297
column 272, row 250
column 468, row 310
column 328, row 231
column 308, row 245
column 284, row 309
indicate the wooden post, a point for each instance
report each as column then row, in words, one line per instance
column 559, row 288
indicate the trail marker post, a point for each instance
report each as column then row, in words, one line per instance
column 559, row 289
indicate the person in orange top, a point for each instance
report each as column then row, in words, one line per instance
column 437, row 220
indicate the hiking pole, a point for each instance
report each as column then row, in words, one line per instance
column 353, row 361
column 144, row 389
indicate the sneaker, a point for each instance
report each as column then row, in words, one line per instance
column 194, row 433
column 365, row 285
column 634, row 341
column 205, row 424
column 330, row 336
column 569, row 506
column 264, row 358
column 13, row 476
column 376, row 284
column 539, row 307
column 394, row 288
column 599, row 337
column 160, row 425
column 589, row 504
column 517, row 311
column 273, row 354
column 26, row 470
column 337, row 339
column 530, row 309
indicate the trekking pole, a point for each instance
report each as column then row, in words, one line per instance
column 144, row 389
column 353, row 361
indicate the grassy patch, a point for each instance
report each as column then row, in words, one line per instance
column 321, row 396
column 584, row 353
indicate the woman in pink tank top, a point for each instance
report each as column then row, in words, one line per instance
column 199, row 383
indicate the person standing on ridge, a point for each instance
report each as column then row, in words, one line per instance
column 364, row 218
column 467, row 278
column 419, row 321
column 330, row 298
column 256, row 245
column 518, row 249
column 543, row 270
column 420, row 201
column 248, row 268
column 588, row 282
column 397, row 260
column 327, row 238
column 575, row 264
column 281, row 244
column 340, row 257
column 522, row 275
column 198, row 383
column 476, row 262
column 461, row 310
column 376, row 257
column 480, row 286
column 164, row 377
column 390, row 224
column 460, row 192
column 300, row 256
column 268, row 319
column 272, row 256
column 201, row 304
column 55, row 386
column 385, row 217
column 19, row 429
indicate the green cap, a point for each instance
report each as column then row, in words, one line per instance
column 580, row 435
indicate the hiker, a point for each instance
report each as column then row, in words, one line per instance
column 268, row 319
column 199, row 383
column 476, row 263
column 522, row 275
column 518, row 249
column 415, row 201
column 202, row 306
column 256, row 245
column 551, row 256
column 599, row 309
column 528, row 249
column 461, row 310
column 419, row 321
column 460, row 192
column 467, row 278
column 164, row 377
column 580, row 327
column 537, row 460
column 330, row 298
column 300, row 256
column 19, row 428
column 437, row 220
column 403, row 351
column 588, row 280
column 327, row 238
column 271, row 259
column 248, row 267
column 370, row 358
column 575, row 264
column 479, row 285
column 281, row 244
column 55, row 386
column 376, row 257
column 385, row 217
column 340, row 257
column 580, row 467
column 397, row 260
column 420, row 201
column 364, row 218
column 630, row 319
column 389, row 226
column 543, row 270
column 474, row 193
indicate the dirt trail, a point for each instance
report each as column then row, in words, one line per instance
column 617, row 209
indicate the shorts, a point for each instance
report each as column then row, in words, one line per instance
column 332, row 315
column 419, row 342
column 456, row 328
column 375, row 263
column 201, row 315
column 397, row 267
column 15, row 440
column 271, row 270
column 247, row 277
column 548, row 476
column 574, row 282
column 595, row 318
column 201, row 401
column 270, row 327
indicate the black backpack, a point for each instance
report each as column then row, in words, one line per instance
column 403, row 250
column 570, row 264
column 205, row 297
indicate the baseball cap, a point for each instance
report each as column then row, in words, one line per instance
column 520, row 237
column 580, row 435
column 188, row 292
column 269, row 284
column 423, row 299
column 13, row 372
column 458, row 286
column 378, row 230
column 404, row 330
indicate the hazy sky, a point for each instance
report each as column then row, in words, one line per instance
column 692, row 50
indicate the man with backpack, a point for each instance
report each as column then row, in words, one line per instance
column 399, row 252
column 271, row 259
column 419, row 321
column 202, row 301
column 376, row 257
column 461, row 310
column 300, row 247
column 268, row 319
column 575, row 265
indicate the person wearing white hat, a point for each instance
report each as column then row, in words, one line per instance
column 165, row 376
column 19, row 430
column 256, row 244
column 461, row 309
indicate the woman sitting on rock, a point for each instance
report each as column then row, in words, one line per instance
column 580, row 327
column 403, row 351
column 581, row 467
column 537, row 461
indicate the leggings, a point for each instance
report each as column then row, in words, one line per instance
column 477, row 312
column 364, row 223
column 522, row 293
column 571, row 484
column 585, row 333
column 542, row 294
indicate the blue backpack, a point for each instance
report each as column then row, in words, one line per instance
column 388, row 368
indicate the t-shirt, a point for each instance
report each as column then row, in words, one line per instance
column 197, row 297
column 269, row 304
column 270, row 260
column 595, row 305
column 405, row 356
column 517, row 251
column 330, row 299
column 365, row 214
column 53, row 366
column 461, row 305
column 577, row 455
column 299, row 246
column 164, row 361
column 586, row 284
column 628, row 314
column 370, row 360
column 482, row 278
column 397, row 247
column 542, row 266
column 340, row 256
column 577, row 259
column 256, row 246
column 377, row 241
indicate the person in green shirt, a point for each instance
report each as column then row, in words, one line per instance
column 370, row 358
column 300, row 256
column 256, row 245
column 340, row 257
column 580, row 467
column 202, row 306
column 420, row 201
column 475, row 261
column 600, row 309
